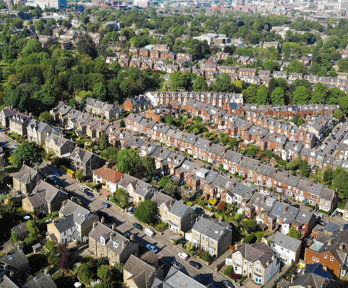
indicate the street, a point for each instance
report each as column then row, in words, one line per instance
column 124, row 224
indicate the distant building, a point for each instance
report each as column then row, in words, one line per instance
column 56, row 4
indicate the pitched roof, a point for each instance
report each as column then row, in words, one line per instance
column 286, row 241
column 177, row 279
column 141, row 272
column 257, row 252
column 42, row 280
column 314, row 276
column 108, row 174
column 180, row 209
column 71, row 208
column 26, row 174
column 17, row 260
column 211, row 229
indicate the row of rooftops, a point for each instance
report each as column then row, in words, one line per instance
column 236, row 158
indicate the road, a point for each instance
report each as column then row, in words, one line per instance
column 124, row 224
column 342, row 127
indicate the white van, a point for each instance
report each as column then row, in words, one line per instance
column 149, row 232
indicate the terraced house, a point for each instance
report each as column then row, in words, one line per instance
column 214, row 237
column 106, row 242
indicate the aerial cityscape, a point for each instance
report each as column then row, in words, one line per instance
column 173, row 144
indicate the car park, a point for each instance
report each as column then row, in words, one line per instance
column 138, row 226
column 195, row 264
column 151, row 248
column 176, row 264
column 183, row 255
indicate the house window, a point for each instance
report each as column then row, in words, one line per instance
column 325, row 256
column 331, row 258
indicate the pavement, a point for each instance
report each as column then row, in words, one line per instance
column 124, row 224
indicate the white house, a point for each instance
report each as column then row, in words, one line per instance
column 107, row 177
column 287, row 248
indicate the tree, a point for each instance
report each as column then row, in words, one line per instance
column 146, row 211
column 222, row 206
column 103, row 141
column 294, row 233
column 262, row 95
column 127, row 159
column 85, row 272
column 150, row 167
column 271, row 65
column 277, row 96
column 200, row 84
column 251, row 151
column 87, row 46
column 122, row 123
column 105, row 273
column 79, row 176
column 319, row 93
column 233, row 143
column 121, row 196
column 110, row 154
column 14, row 236
column 250, row 225
column 297, row 120
column 297, row 67
column 28, row 153
column 300, row 95
column 180, row 81
column 250, row 94
column 223, row 83
column 46, row 117
column 3, row 177
column 338, row 114
column 164, row 181
column 66, row 260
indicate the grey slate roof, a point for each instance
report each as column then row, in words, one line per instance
column 180, row 209
column 257, row 251
column 80, row 213
column 17, row 260
column 286, row 242
column 42, row 280
column 284, row 210
column 211, row 229
column 26, row 174
column 177, row 279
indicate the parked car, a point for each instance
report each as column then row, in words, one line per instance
column 105, row 204
column 176, row 264
column 149, row 232
column 227, row 284
column 151, row 248
column 138, row 226
column 82, row 188
column 183, row 255
column 196, row 264
column 57, row 173
column 89, row 194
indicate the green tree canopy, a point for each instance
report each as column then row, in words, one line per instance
column 277, row 96
column 127, row 159
column 200, row 84
column 28, row 153
column 146, row 211
column 300, row 95
column 180, row 81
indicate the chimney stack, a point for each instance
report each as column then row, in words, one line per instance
column 329, row 242
column 113, row 226
column 102, row 220
column 285, row 208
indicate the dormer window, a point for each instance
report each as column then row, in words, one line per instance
column 102, row 240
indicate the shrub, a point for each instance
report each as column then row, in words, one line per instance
column 189, row 203
column 249, row 238
column 259, row 235
column 228, row 271
column 237, row 217
column 208, row 208
column 222, row 206
column 161, row 226
column 213, row 201
column 206, row 257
